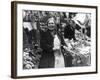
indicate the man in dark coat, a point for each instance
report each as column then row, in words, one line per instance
column 69, row 31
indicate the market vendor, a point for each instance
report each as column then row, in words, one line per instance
column 46, row 43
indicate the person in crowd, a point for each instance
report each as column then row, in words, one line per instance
column 68, row 34
column 46, row 43
column 51, row 42
column 69, row 31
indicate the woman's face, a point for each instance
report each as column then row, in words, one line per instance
column 51, row 24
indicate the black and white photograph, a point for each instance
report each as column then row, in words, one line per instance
column 53, row 39
column 56, row 39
